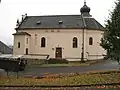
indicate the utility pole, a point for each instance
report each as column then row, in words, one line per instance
column 84, row 14
column 83, row 36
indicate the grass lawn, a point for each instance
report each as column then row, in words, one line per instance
column 65, row 79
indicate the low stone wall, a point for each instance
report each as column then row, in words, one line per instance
column 35, row 61
column 75, row 59
column 95, row 57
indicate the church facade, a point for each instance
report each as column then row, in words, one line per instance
column 60, row 36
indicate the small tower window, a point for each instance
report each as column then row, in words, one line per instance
column 90, row 41
column 75, row 42
column 43, row 42
column 26, row 40
column 18, row 44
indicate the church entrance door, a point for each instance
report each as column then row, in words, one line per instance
column 58, row 52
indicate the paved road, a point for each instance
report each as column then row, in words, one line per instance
column 104, row 65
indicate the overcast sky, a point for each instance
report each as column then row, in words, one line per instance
column 11, row 10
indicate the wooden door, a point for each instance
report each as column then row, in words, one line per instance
column 58, row 52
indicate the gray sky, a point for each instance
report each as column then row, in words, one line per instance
column 11, row 10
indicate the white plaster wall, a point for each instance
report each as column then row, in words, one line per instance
column 62, row 38
column 21, row 39
column 27, row 45
column 95, row 51
column 55, row 39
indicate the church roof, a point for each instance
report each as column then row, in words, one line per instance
column 59, row 22
column 22, row 33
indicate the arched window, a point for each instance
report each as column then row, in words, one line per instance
column 43, row 42
column 90, row 41
column 75, row 42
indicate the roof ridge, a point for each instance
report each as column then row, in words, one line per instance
column 55, row 15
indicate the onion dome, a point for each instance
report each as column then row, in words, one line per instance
column 85, row 9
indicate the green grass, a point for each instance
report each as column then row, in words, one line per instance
column 65, row 79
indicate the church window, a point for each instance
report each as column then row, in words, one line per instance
column 75, row 42
column 90, row 41
column 43, row 42
column 26, row 40
column 18, row 44
column 26, row 51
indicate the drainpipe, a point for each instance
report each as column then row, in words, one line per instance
column 83, row 31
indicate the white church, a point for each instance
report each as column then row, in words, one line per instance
column 71, row 37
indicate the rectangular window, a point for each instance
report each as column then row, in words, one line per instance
column 26, row 51
column 35, row 39
column 18, row 44
column 26, row 40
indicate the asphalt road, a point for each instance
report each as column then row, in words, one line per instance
column 103, row 65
